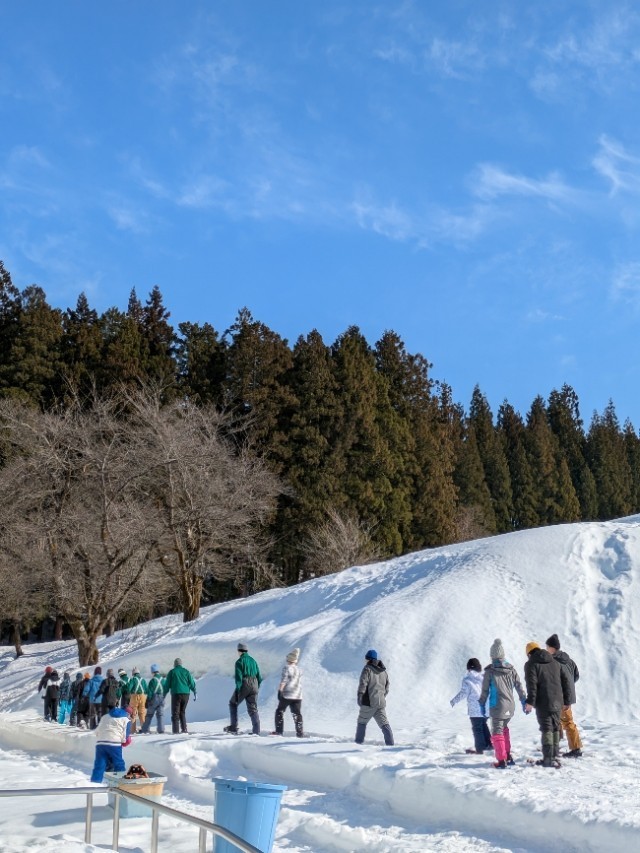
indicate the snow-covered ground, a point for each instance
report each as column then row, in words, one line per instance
column 425, row 613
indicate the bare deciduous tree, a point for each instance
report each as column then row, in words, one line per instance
column 341, row 541
column 76, row 486
column 211, row 496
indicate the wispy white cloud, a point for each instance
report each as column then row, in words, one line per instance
column 540, row 315
column 491, row 181
column 127, row 218
column 618, row 166
column 625, row 286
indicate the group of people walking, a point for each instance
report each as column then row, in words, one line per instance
column 550, row 677
column 89, row 698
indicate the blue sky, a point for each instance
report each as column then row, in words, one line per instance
column 466, row 174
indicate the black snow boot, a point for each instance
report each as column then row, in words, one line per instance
column 361, row 729
column 232, row 730
column 388, row 735
column 573, row 753
column 510, row 761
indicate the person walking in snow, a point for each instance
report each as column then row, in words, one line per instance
column 248, row 681
column 65, row 702
column 290, row 694
column 548, row 692
column 84, row 702
column 112, row 733
column 108, row 692
column 76, row 692
column 470, row 690
column 137, row 688
column 373, row 688
column 95, row 701
column 123, row 688
column 179, row 682
column 42, row 687
column 155, row 701
column 499, row 681
column 567, row 723
column 51, row 698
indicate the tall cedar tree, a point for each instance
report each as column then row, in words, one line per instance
column 609, row 464
column 159, row 340
column 512, row 430
column 564, row 417
column 367, row 466
column 555, row 498
column 311, row 466
column 425, row 449
column 632, row 445
column 201, row 363
column 258, row 361
column 32, row 367
column 493, row 459
column 81, row 347
column 473, row 492
column 123, row 363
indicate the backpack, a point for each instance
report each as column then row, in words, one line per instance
column 110, row 692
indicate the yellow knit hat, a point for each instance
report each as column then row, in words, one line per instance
column 531, row 646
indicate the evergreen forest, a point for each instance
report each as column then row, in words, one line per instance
column 217, row 463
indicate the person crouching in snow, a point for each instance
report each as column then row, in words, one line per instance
column 290, row 694
column 470, row 690
column 112, row 733
column 499, row 682
column 372, row 697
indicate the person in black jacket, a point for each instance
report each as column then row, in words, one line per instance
column 42, row 689
column 51, row 697
column 566, row 717
column 548, row 692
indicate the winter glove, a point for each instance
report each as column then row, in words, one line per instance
column 523, row 702
column 280, row 696
column 452, row 703
column 483, row 709
column 195, row 696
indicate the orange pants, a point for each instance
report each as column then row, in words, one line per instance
column 567, row 725
column 138, row 702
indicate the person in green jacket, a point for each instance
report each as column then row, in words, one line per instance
column 180, row 683
column 155, row 701
column 137, row 688
column 248, row 681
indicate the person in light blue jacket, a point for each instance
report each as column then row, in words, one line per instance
column 470, row 690
column 95, row 702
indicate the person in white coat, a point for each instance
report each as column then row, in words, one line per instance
column 112, row 733
column 290, row 694
column 470, row 690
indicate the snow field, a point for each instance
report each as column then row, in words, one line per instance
column 426, row 614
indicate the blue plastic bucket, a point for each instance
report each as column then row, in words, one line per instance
column 249, row 809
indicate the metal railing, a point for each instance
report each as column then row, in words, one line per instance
column 157, row 809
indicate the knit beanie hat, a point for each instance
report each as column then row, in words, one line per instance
column 48, row 669
column 135, row 671
column 372, row 654
column 496, row 652
column 97, row 670
column 553, row 641
column 530, row 647
column 122, row 671
column 242, row 647
column 177, row 662
column 155, row 667
column 78, row 676
column 293, row 656
column 474, row 664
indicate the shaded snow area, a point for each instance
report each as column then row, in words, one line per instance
column 426, row 614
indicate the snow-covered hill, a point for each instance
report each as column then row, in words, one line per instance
column 426, row 614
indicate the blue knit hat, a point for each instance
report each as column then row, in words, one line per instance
column 372, row 654
column 155, row 667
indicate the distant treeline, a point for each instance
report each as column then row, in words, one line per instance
column 373, row 454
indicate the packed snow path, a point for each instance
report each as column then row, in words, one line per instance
column 426, row 613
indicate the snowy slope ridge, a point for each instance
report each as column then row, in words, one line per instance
column 425, row 613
